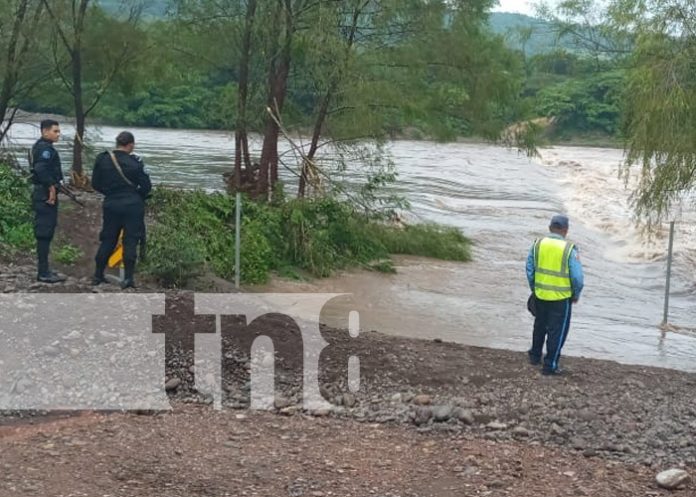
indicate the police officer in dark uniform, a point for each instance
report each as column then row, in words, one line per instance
column 120, row 176
column 46, row 175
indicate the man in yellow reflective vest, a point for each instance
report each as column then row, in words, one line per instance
column 556, row 279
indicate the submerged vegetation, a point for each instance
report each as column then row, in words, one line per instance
column 194, row 231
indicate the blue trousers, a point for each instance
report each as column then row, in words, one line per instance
column 551, row 325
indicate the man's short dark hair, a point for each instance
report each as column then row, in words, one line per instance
column 124, row 139
column 48, row 124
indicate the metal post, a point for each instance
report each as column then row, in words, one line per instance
column 669, row 273
column 238, row 239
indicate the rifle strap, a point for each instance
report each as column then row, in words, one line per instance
column 118, row 168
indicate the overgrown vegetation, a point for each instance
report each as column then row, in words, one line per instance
column 68, row 254
column 586, row 103
column 16, row 228
column 194, row 231
column 426, row 240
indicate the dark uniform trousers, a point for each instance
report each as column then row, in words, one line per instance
column 121, row 211
column 45, row 222
column 552, row 324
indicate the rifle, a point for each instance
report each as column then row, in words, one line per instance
column 66, row 191
column 60, row 188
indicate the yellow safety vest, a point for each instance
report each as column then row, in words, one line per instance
column 552, row 269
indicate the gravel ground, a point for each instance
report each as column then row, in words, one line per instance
column 199, row 452
column 431, row 418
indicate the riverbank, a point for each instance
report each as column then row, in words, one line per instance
column 600, row 409
column 191, row 235
column 430, row 418
column 409, row 134
column 423, row 409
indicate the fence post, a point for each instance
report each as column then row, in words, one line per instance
column 665, row 315
column 238, row 239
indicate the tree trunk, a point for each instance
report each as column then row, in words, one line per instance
column 245, row 151
column 277, row 83
column 316, row 135
column 80, row 114
column 279, row 93
column 11, row 66
column 241, row 154
column 326, row 102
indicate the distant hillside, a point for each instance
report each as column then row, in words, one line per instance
column 511, row 26
column 506, row 24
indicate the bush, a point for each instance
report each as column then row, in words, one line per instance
column 68, row 254
column 16, row 224
column 257, row 253
column 195, row 230
column 173, row 256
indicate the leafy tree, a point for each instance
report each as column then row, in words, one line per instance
column 89, row 49
column 660, row 102
column 587, row 104
column 18, row 30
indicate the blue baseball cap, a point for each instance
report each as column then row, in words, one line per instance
column 560, row 221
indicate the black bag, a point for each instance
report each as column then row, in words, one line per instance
column 531, row 304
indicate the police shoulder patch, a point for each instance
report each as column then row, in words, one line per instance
column 46, row 154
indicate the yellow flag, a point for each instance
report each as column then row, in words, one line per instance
column 116, row 258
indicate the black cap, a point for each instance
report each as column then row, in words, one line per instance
column 560, row 221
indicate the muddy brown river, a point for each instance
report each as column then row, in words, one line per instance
column 502, row 200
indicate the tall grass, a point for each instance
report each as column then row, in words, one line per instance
column 194, row 231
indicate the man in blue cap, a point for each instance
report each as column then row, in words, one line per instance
column 556, row 279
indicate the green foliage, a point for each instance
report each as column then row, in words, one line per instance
column 16, row 228
column 385, row 266
column 257, row 252
column 191, row 232
column 405, row 69
column 638, row 64
column 111, row 48
column 68, row 254
column 660, row 110
column 188, row 104
column 194, row 231
column 589, row 104
column 173, row 257
column 426, row 240
column 324, row 235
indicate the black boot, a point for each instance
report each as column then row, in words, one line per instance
column 50, row 278
column 43, row 246
column 128, row 281
column 98, row 277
